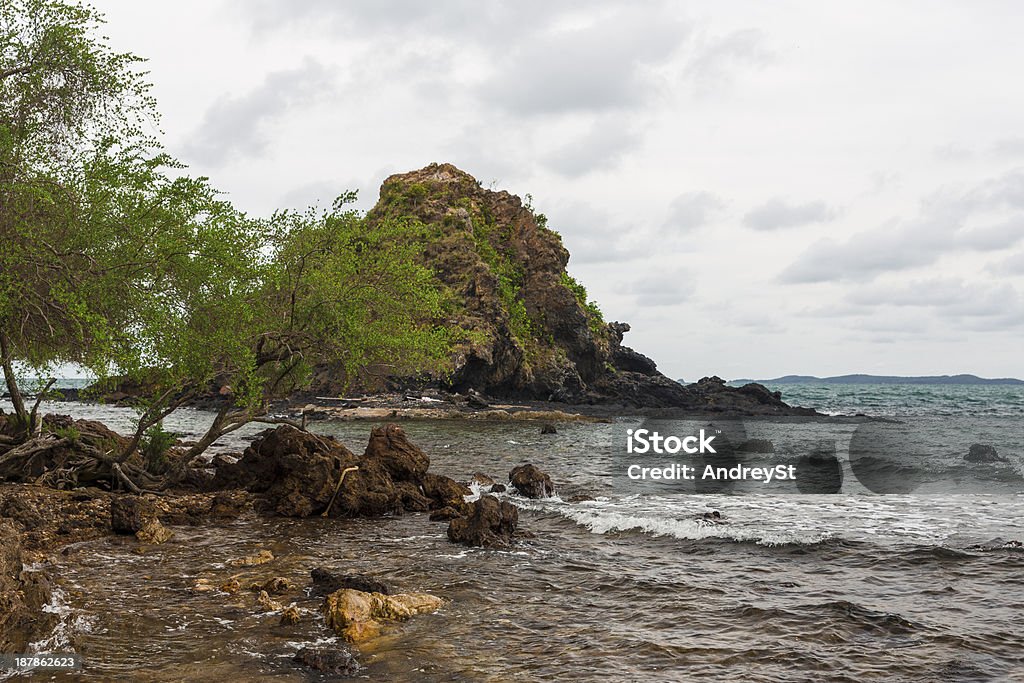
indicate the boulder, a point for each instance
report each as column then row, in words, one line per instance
column 326, row 581
column 290, row 616
column 129, row 514
column 401, row 459
column 444, row 491
column 983, row 453
column 332, row 661
column 262, row 557
column 154, row 533
column 22, row 595
column 489, row 523
column 481, row 479
column 446, row 514
column 531, row 482
column 499, row 488
column 355, row 615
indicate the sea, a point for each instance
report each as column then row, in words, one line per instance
column 899, row 562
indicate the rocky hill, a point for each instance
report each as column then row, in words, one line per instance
column 532, row 333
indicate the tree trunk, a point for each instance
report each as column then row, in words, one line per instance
column 6, row 358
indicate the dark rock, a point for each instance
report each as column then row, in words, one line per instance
column 489, row 524
column 531, row 482
column 475, row 400
column 22, row 511
column 548, row 428
column 22, row 595
column 410, row 497
column 499, row 488
column 129, row 514
column 400, row 458
column 333, row 661
column 327, row 581
column 983, row 453
column 443, row 491
column 756, row 446
column 481, row 479
column 228, row 504
column 447, row 514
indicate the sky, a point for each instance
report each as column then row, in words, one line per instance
column 758, row 188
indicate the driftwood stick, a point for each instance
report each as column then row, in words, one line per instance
column 337, row 489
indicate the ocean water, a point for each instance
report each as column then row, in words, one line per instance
column 621, row 580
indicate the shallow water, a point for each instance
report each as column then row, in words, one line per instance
column 629, row 586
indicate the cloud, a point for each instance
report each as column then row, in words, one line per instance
column 777, row 213
column 591, row 236
column 1012, row 148
column 943, row 225
column 602, row 66
column 661, row 290
column 236, row 126
column 1012, row 265
column 955, row 301
column 712, row 66
column 692, row 210
column 602, row 146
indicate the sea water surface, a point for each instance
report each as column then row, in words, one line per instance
column 623, row 585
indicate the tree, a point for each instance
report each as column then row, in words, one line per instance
column 74, row 117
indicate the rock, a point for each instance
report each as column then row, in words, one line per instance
column 228, row 504
column 262, row 557
column 22, row 596
column 267, row 603
column 481, row 479
column 548, row 428
column 231, row 586
column 756, row 446
column 531, row 482
column 277, row 585
column 22, row 511
column 581, row 498
column 204, row 586
column 489, row 523
column 297, row 471
column 499, row 488
column 983, row 453
column 129, row 514
column 475, row 400
column 326, row 581
column 355, row 615
column 333, row 661
column 445, row 514
column 154, row 533
column 444, row 491
column 290, row 616
column 401, row 459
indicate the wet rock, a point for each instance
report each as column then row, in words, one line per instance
column 444, row 491
column 262, row 557
column 297, row 471
column 267, row 603
column 445, row 514
column 290, row 616
column 22, row 595
column 411, row 498
column 228, row 504
column 326, row 581
column 499, row 488
column 22, row 511
column 154, row 533
column 531, row 482
column 489, row 523
column 401, row 459
column 548, row 428
column 231, row 586
column 983, row 453
column 277, row 585
column 481, row 479
column 334, row 661
column 475, row 399
column 129, row 514
column 204, row 585
column 756, row 446
column 356, row 615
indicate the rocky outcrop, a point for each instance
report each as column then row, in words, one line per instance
column 330, row 661
column 22, row 595
column 532, row 332
column 531, row 482
column 302, row 474
column 983, row 453
column 490, row 523
column 356, row 616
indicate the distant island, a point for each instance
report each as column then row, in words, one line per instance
column 884, row 379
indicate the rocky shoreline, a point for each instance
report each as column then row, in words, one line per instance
column 285, row 472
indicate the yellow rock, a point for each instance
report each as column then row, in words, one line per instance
column 355, row 615
column 154, row 533
column 290, row 616
column 267, row 603
column 262, row 557
column 231, row 586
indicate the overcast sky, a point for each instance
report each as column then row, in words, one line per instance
column 757, row 188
